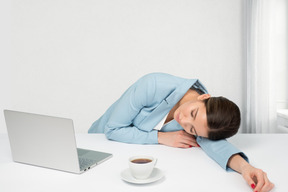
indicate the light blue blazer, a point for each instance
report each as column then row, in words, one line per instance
column 144, row 104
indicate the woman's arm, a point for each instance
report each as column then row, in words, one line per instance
column 180, row 139
column 120, row 125
column 132, row 117
column 256, row 178
column 229, row 157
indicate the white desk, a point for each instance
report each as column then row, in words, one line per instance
column 184, row 169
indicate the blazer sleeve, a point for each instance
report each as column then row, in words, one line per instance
column 120, row 127
column 220, row 151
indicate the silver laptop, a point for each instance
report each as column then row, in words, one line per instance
column 49, row 142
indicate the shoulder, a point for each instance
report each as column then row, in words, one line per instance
column 161, row 85
column 164, row 81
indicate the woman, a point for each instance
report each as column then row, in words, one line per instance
column 163, row 109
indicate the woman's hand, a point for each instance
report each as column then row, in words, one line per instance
column 257, row 179
column 177, row 139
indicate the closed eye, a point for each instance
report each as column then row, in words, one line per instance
column 193, row 131
column 194, row 113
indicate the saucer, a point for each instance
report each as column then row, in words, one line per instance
column 155, row 176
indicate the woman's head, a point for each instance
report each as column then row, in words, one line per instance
column 211, row 117
column 223, row 117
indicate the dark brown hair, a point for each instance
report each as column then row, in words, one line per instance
column 223, row 117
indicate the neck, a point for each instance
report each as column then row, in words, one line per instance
column 190, row 95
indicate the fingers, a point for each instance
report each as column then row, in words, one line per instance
column 250, row 181
column 179, row 139
column 258, row 180
column 263, row 183
column 183, row 145
column 259, row 177
column 268, row 184
column 187, row 140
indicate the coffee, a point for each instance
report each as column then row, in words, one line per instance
column 141, row 166
column 141, row 161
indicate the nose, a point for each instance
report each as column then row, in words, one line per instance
column 183, row 118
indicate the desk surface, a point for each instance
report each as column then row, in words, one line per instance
column 184, row 169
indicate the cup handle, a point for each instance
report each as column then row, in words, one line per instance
column 155, row 161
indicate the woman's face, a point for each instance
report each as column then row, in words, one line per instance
column 191, row 115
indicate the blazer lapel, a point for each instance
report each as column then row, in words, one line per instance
column 159, row 113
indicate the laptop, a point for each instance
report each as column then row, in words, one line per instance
column 48, row 142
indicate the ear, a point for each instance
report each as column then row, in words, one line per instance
column 203, row 97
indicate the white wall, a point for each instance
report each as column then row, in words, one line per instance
column 5, row 59
column 73, row 58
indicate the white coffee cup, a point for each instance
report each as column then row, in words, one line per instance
column 141, row 167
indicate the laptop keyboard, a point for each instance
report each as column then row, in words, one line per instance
column 86, row 163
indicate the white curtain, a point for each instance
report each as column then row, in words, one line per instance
column 261, row 98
